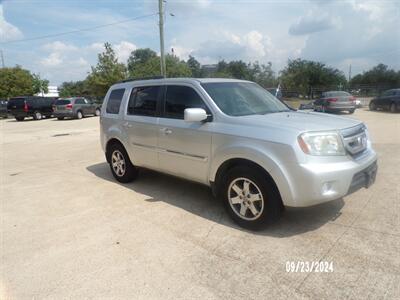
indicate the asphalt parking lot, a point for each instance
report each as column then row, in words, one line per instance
column 69, row 230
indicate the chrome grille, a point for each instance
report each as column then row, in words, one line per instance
column 355, row 139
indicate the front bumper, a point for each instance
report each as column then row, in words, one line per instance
column 315, row 183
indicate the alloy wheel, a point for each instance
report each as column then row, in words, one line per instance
column 245, row 199
column 118, row 163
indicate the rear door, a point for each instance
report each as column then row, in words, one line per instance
column 141, row 125
column 184, row 148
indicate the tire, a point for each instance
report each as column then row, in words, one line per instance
column 121, row 166
column 37, row 115
column 60, row 118
column 79, row 114
column 372, row 106
column 393, row 108
column 19, row 119
column 97, row 112
column 266, row 207
column 351, row 111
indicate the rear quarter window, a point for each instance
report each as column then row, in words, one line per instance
column 114, row 101
column 62, row 102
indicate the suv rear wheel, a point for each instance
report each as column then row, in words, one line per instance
column 372, row 106
column 393, row 107
column 37, row 115
column 250, row 197
column 97, row 112
column 121, row 167
column 79, row 115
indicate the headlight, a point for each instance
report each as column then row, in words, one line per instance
column 321, row 143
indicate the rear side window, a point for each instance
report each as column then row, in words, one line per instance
column 178, row 98
column 79, row 101
column 114, row 101
column 143, row 101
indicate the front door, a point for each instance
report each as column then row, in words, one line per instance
column 184, row 148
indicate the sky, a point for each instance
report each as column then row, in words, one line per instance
column 339, row 33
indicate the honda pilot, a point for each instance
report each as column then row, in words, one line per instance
column 255, row 153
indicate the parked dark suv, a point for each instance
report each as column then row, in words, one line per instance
column 75, row 107
column 30, row 106
column 335, row 101
column 389, row 100
column 3, row 109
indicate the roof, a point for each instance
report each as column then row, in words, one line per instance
column 179, row 80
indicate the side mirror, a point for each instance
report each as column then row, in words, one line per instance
column 194, row 115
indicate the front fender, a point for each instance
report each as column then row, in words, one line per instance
column 258, row 155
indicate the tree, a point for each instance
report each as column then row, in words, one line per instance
column 74, row 89
column 139, row 57
column 40, row 85
column 378, row 75
column 16, row 82
column 304, row 75
column 107, row 72
column 145, row 63
column 194, row 67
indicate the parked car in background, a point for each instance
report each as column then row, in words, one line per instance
column 30, row 106
column 255, row 153
column 389, row 100
column 76, row 107
column 335, row 101
column 3, row 109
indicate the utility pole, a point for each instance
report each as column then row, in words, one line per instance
column 2, row 59
column 349, row 73
column 161, row 15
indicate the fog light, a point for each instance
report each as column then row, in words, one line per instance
column 327, row 188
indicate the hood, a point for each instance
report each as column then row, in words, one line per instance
column 301, row 121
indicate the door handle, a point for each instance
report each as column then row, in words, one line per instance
column 166, row 131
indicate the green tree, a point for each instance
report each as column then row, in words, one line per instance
column 74, row 89
column 146, row 63
column 304, row 75
column 107, row 72
column 139, row 57
column 194, row 67
column 15, row 82
column 39, row 85
column 378, row 75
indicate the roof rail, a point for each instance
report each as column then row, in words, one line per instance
column 141, row 78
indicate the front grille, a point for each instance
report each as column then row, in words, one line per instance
column 355, row 139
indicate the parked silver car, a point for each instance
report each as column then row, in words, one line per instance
column 255, row 153
column 75, row 107
column 335, row 101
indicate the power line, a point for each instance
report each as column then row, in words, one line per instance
column 78, row 30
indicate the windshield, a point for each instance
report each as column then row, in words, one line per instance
column 243, row 98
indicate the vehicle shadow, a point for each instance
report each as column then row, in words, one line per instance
column 197, row 199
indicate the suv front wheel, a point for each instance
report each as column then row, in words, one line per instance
column 121, row 167
column 250, row 197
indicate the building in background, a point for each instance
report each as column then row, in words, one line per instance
column 53, row 92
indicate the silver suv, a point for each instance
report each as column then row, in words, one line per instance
column 255, row 153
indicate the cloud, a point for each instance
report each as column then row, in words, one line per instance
column 311, row 24
column 8, row 31
column 252, row 45
column 123, row 50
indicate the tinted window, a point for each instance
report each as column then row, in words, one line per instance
column 114, row 101
column 62, row 102
column 178, row 98
column 143, row 101
column 79, row 101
